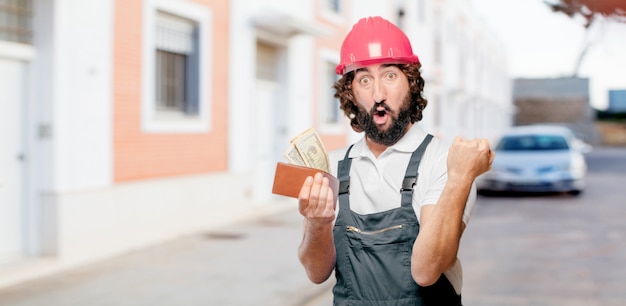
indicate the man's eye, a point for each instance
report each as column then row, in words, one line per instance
column 365, row 81
column 390, row 75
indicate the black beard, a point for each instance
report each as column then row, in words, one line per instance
column 397, row 129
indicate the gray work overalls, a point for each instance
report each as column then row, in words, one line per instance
column 374, row 250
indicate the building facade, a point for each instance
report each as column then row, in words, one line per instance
column 562, row 101
column 128, row 123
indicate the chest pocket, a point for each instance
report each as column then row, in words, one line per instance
column 380, row 262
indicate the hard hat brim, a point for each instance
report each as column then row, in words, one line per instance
column 342, row 69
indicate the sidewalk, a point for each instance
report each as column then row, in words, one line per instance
column 252, row 262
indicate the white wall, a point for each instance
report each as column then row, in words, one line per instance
column 243, row 70
column 14, row 62
column 69, row 111
column 101, row 222
column 82, row 97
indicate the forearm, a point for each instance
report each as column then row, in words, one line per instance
column 317, row 251
column 436, row 247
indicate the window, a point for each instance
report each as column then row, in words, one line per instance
column 437, row 43
column 400, row 20
column 176, row 60
column 421, row 11
column 331, row 10
column 332, row 114
column 16, row 21
column 437, row 109
column 533, row 143
column 330, row 119
column 464, row 53
column 334, row 5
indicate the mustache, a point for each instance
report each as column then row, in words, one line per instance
column 379, row 104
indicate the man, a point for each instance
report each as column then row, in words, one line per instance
column 404, row 197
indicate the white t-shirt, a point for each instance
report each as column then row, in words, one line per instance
column 375, row 182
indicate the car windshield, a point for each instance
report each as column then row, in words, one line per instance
column 532, row 143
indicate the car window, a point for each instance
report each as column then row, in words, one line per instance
column 532, row 143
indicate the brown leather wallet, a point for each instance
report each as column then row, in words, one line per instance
column 289, row 178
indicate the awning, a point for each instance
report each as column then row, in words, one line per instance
column 283, row 24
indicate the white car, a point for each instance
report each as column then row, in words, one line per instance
column 537, row 158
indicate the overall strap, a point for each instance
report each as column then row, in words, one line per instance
column 410, row 177
column 343, row 174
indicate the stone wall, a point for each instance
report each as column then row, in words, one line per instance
column 612, row 133
column 572, row 112
column 553, row 110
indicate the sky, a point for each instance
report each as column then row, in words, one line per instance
column 544, row 44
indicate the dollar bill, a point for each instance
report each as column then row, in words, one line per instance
column 293, row 156
column 307, row 149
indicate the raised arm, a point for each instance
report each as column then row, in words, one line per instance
column 317, row 250
column 441, row 225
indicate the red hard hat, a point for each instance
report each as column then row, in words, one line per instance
column 374, row 40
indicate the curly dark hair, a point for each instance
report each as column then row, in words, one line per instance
column 343, row 91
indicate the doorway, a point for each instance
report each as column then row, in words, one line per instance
column 12, row 233
column 270, row 115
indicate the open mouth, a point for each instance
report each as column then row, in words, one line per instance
column 380, row 116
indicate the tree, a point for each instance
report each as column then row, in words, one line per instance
column 590, row 10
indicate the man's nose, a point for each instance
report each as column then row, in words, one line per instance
column 378, row 91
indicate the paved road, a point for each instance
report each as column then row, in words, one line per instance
column 552, row 249
column 249, row 263
column 537, row 250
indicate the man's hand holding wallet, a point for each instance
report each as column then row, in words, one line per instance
column 306, row 156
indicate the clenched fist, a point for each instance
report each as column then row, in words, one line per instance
column 469, row 158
